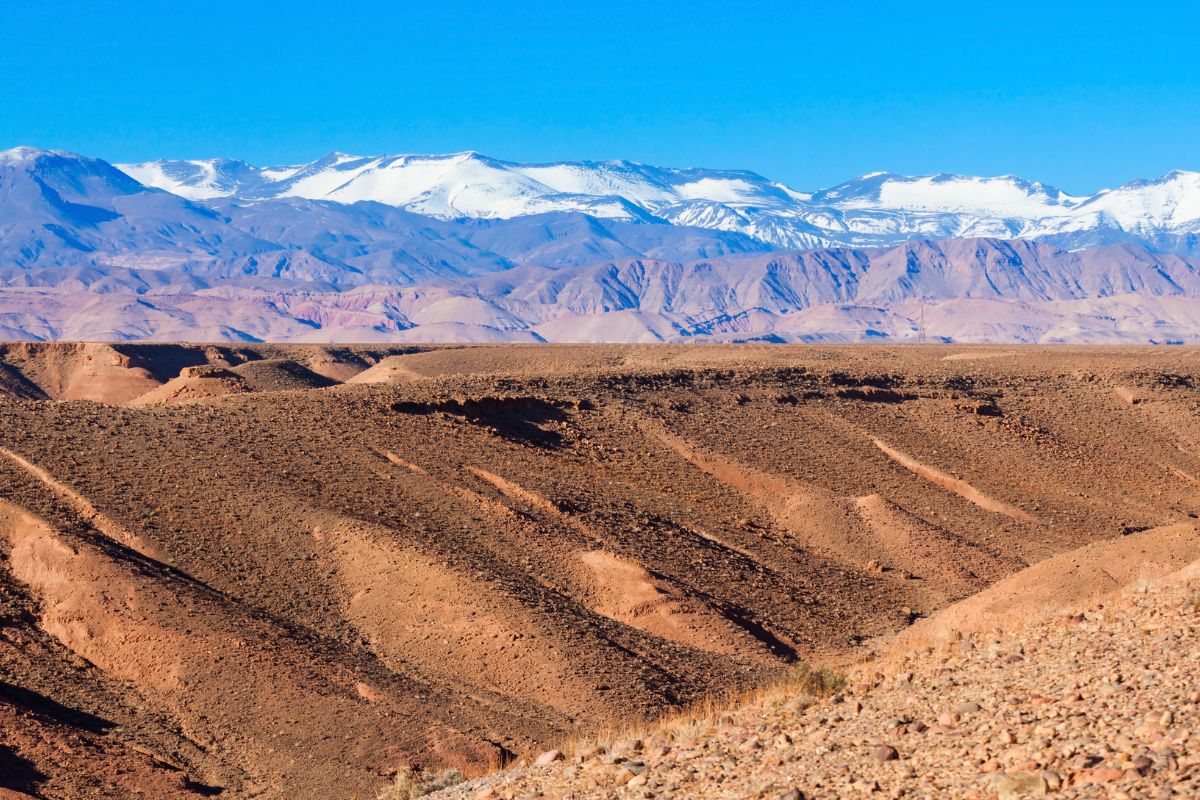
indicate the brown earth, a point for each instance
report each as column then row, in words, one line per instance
column 292, row 585
column 1084, row 699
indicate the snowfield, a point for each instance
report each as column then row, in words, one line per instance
column 877, row 209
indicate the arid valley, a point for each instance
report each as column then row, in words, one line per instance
column 311, row 571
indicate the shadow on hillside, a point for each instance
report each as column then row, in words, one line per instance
column 44, row 706
column 518, row 419
column 17, row 773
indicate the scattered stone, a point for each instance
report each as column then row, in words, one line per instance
column 884, row 752
column 1136, row 742
column 948, row 719
column 1100, row 775
column 548, row 757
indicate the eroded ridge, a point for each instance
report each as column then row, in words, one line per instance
column 973, row 715
column 84, row 508
column 236, row 681
column 956, row 485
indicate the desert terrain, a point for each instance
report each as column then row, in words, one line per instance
column 301, row 571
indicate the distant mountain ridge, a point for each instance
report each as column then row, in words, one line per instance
column 88, row 252
column 60, row 210
column 877, row 209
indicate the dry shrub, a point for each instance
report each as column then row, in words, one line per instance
column 815, row 682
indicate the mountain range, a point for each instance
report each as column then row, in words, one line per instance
column 878, row 209
column 468, row 248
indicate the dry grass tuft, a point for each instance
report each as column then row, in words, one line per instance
column 409, row 785
column 820, row 682
column 688, row 722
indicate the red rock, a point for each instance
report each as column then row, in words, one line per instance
column 885, row 752
column 1099, row 775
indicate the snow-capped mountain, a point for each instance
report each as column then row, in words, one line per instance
column 878, row 209
column 467, row 248
column 466, row 185
column 63, row 211
column 202, row 180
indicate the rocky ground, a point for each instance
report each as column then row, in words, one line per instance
column 1099, row 701
column 298, row 571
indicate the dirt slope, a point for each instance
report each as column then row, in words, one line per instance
column 280, row 375
column 1095, row 700
column 1076, row 576
column 194, row 383
column 523, row 543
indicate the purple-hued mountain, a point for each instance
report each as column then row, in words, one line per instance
column 468, row 248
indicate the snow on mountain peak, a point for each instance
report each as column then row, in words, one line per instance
column 469, row 184
column 22, row 153
column 1002, row 197
column 1170, row 201
column 1005, row 196
column 195, row 180
column 878, row 208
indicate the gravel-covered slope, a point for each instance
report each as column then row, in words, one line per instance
column 1098, row 700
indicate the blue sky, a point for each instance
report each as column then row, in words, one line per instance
column 1081, row 95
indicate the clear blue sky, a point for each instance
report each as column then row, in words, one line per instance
column 1081, row 95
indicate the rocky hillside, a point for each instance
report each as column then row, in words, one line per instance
column 1097, row 698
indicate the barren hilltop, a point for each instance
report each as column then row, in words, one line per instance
column 311, row 571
